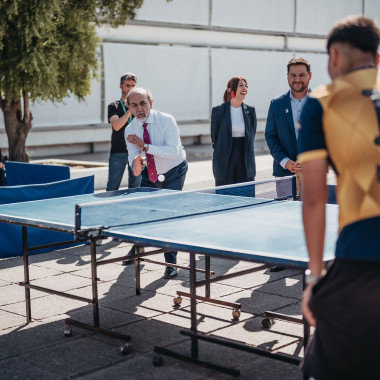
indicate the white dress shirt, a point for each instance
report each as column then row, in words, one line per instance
column 165, row 146
column 297, row 106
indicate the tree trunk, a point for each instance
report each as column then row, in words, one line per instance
column 17, row 127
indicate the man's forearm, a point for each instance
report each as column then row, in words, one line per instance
column 119, row 122
column 314, row 226
column 314, row 195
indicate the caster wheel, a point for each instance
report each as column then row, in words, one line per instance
column 177, row 301
column 236, row 314
column 125, row 348
column 67, row 331
column 157, row 361
column 266, row 323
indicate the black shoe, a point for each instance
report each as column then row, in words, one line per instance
column 170, row 273
column 129, row 254
column 276, row 269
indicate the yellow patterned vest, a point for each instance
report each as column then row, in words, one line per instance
column 350, row 126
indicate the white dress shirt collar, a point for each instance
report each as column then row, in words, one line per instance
column 149, row 120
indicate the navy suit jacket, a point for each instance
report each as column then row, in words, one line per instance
column 221, row 136
column 280, row 134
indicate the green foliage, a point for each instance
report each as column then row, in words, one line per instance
column 48, row 48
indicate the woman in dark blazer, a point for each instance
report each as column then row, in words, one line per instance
column 233, row 130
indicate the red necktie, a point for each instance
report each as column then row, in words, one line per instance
column 152, row 171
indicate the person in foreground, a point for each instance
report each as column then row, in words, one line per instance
column 155, row 151
column 233, row 130
column 339, row 126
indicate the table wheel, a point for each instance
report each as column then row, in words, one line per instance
column 125, row 348
column 236, row 313
column 177, row 300
column 266, row 323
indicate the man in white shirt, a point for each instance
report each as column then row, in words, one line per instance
column 155, row 151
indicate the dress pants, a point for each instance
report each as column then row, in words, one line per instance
column 236, row 172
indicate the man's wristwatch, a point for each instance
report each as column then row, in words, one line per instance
column 146, row 147
column 312, row 279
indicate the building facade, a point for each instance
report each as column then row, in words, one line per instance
column 185, row 52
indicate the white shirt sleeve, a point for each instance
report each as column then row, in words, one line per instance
column 284, row 161
column 133, row 151
column 170, row 131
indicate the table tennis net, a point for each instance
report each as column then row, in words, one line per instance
column 153, row 208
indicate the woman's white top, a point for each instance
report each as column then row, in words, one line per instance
column 237, row 121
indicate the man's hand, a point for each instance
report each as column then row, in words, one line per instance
column 138, row 165
column 136, row 141
column 293, row 166
column 297, row 167
column 306, row 297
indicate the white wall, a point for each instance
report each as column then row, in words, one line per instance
column 318, row 17
column 71, row 111
column 177, row 76
column 176, row 11
column 268, row 15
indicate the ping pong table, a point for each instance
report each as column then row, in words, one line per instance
column 239, row 222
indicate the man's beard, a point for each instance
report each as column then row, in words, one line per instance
column 298, row 89
column 142, row 118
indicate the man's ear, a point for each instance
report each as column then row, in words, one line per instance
column 334, row 57
column 377, row 60
column 121, row 86
column 150, row 102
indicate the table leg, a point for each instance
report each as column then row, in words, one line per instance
column 193, row 307
column 26, row 273
column 207, row 277
column 137, row 270
column 95, row 306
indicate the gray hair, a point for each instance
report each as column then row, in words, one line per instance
column 140, row 90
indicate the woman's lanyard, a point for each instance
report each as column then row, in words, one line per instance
column 125, row 111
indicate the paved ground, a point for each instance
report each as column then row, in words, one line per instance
column 40, row 350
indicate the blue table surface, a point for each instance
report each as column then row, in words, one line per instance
column 270, row 232
column 59, row 213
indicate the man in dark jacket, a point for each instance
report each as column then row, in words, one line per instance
column 281, row 129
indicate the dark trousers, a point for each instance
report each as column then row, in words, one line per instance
column 174, row 180
column 236, row 171
column 3, row 180
column 346, row 305
column 116, row 167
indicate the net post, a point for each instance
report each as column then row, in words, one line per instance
column 77, row 221
column 294, row 188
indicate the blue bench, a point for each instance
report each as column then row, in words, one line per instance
column 10, row 235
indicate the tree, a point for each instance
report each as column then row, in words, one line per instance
column 49, row 50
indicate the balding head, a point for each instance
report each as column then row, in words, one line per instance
column 140, row 102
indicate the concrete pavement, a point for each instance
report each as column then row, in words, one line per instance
column 39, row 350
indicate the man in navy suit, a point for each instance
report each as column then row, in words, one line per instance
column 281, row 129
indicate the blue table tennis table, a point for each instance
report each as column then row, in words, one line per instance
column 239, row 222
